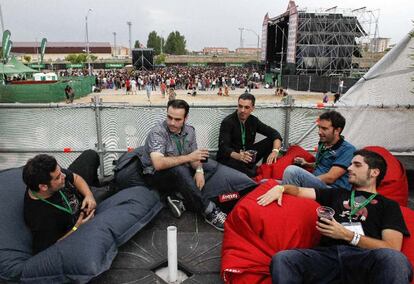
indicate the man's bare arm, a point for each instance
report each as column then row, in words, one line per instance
column 332, row 175
column 160, row 162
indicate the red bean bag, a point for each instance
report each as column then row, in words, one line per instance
column 275, row 170
column 253, row 234
column 395, row 184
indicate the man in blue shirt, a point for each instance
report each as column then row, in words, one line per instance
column 332, row 159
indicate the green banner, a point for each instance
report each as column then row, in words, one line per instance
column 35, row 65
column 42, row 49
column 76, row 65
column 197, row 64
column 114, row 65
column 234, row 64
column 6, row 45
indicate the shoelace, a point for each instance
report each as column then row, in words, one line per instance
column 220, row 217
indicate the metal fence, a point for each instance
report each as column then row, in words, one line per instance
column 67, row 130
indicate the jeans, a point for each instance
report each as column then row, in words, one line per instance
column 340, row 264
column 180, row 179
column 297, row 176
column 263, row 148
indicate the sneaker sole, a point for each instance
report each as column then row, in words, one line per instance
column 174, row 209
column 217, row 228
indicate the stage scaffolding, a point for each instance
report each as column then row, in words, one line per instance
column 323, row 42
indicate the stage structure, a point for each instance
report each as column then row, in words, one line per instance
column 321, row 42
column 143, row 58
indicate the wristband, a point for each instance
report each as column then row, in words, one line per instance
column 74, row 228
column 355, row 239
column 276, row 150
column 200, row 170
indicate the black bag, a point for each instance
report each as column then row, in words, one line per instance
column 128, row 170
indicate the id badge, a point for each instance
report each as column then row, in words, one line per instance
column 355, row 227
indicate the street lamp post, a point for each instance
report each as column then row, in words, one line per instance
column 258, row 43
column 87, row 42
column 115, row 54
column 129, row 32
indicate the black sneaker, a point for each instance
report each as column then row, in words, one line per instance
column 176, row 206
column 216, row 219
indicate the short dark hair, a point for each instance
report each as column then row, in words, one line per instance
column 374, row 161
column 37, row 171
column 337, row 120
column 179, row 104
column 247, row 96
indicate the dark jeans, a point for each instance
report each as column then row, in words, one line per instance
column 86, row 165
column 263, row 148
column 340, row 264
column 181, row 179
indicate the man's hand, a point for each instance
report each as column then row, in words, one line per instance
column 245, row 157
column 299, row 161
column 198, row 155
column 199, row 180
column 88, row 204
column 275, row 193
column 333, row 229
column 272, row 158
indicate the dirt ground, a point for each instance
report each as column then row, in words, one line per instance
column 263, row 96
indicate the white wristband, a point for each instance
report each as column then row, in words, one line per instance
column 276, row 150
column 200, row 170
column 355, row 239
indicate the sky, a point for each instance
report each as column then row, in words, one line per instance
column 205, row 23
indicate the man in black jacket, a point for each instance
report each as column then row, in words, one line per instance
column 237, row 138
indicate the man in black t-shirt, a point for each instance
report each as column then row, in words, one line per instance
column 57, row 201
column 238, row 134
column 361, row 244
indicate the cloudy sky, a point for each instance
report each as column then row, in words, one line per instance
column 203, row 23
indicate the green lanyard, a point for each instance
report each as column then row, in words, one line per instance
column 243, row 135
column 180, row 146
column 321, row 153
column 356, row 209
column 67, row 209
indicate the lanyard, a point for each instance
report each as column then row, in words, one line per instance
column 67, row 209
column 180, row 143
column 243, row 135
column 356, row 209
column 321, row 153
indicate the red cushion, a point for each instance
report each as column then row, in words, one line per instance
column 253, row 234
column 395, row 184
column 276, row 170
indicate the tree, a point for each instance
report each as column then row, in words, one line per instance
column 160, row 59
column 76, row 58
column 137, row 44
column 175, row 44
column 93, row 57
column 154, row 41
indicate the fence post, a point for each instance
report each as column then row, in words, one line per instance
column 100, row 146
column 288, row 102
column 310, row 81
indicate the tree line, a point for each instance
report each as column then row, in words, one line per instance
column 175, row 43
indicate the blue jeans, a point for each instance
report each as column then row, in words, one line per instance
column 297, row 176
column 340, row 264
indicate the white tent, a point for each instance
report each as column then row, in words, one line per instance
column 379, row 108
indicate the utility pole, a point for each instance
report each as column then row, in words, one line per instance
column 241, row 37
column 87, row 43
column 115, row 53
column 129, row 31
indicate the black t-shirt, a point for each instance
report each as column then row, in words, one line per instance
column 381, row 213
column 48, row 223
